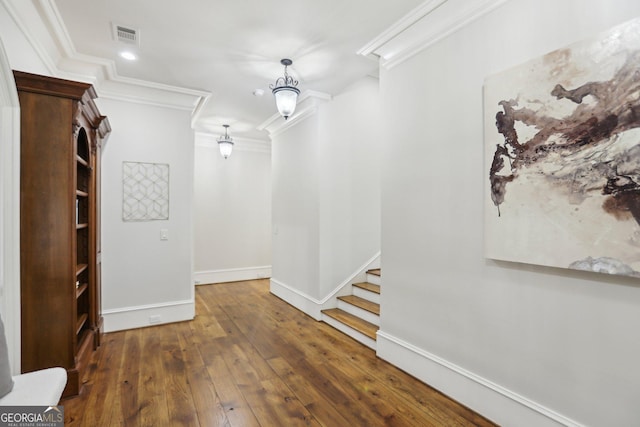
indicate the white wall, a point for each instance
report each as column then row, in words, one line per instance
column 232, row 211
column 349, row 130
column 295, row 207
column 326, row 196
column 143, row 276
column 522, row 344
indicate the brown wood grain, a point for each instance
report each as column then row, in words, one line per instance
column 59, row 320
column 368, row 286
column 250, row 359
column 361, row 303
column 360, row 325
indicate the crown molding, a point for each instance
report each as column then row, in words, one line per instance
column 401, row 25
column 308, row 103
column 206, row 139
column 424, row 26
column 48, row 35
column 22, row 12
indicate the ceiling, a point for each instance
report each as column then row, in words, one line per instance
column 230, row 48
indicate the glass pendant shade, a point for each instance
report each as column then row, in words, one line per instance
column 286, row 99
column 225, row 143
column 285, row 92
column 225, row 148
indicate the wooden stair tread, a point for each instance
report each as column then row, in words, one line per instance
column 368, row 286
column 362, row 326
column 375, row 271
column 361, row 303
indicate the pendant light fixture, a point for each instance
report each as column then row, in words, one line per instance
column 225, row 142
column 285, row 91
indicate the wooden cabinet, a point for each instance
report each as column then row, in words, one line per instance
column 61, row 137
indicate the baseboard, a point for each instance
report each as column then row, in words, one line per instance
column 231, row 275
column 299, row 300
column 148, row 315
column 483, row 396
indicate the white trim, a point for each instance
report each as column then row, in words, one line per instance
column 60, row 35
column 366, row 294
column 493, row 401
column 56, row 23
column 307, row 106
column 231, row 275
column 173, row 100
column 119, row 319
column 422, row 28
column 356, row 335
column 400, row 26
column 312, row 306
column 205, row 139
column 10, row 210
column 359, row 312
column 51, row 41
column 296, row 298
column 198, row 110
column 304, row 113
column 374, row 279
column 19, row 19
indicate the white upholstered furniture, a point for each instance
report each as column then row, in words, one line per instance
column 38, row 388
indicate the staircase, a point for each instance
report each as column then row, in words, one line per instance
column 358, row 314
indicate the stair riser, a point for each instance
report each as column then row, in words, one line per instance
column 358, row 336
column 368, row 295
column 359, row 312
column 372, row 278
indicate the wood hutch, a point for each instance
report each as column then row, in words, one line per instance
column 62, row 133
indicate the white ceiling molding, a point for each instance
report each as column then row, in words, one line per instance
column 405, row 22
column 22, row 12
column 196, row 116
column 55, row 48
column 308, row 103
column 205, row 139
column 138, row 91
column 424, row 26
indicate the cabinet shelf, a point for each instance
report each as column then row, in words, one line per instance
column 82, row 161
column 80, row 290
column 80, row 268
column 81, row 321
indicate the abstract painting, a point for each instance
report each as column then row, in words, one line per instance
column 562, row 157
column 145, row 191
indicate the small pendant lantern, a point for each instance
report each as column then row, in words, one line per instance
column 285, row 92
column 225, row 142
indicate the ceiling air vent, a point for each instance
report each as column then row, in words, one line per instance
column 126, row 34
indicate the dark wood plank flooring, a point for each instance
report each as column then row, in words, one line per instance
column 250, row 359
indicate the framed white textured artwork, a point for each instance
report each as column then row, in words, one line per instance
column 562, row 157
column 145, row 191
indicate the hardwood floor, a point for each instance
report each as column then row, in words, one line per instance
column 250, row 359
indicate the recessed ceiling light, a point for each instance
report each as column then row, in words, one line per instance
column 129, row 56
